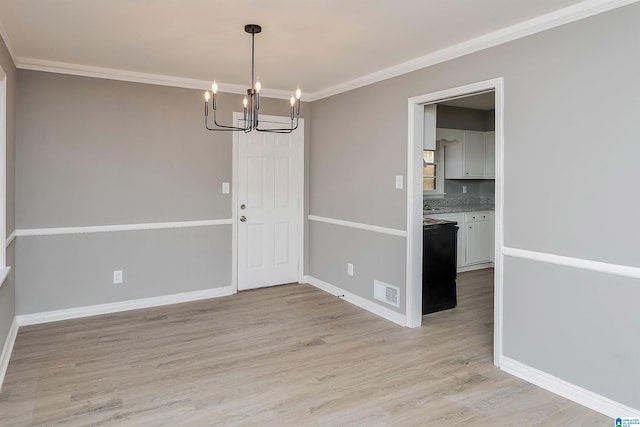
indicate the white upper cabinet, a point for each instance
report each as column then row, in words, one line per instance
column 429, row 127
column 468, row 154
column 449, row 135
column 473, row 155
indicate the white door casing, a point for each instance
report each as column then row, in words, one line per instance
column 414, row 202
column 267, row 205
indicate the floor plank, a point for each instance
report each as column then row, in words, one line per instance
column 287, row 355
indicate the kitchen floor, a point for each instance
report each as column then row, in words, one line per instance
column 289, row 355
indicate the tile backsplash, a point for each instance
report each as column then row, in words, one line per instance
column 489, row 202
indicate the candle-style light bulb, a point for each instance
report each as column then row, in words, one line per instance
column 245, row 102
column 298, row 93
column 258, row 86
column 206, row 103
column 214, row 87
column 292, row 101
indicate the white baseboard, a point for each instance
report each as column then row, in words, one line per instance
column 365, row 304
column 7, row 349
column 475, row 267
column 94, row 310
column 567, row 390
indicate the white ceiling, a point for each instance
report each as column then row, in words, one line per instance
column 315, row 44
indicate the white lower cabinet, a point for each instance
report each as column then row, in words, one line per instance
column 477, row 230
column 475, row 237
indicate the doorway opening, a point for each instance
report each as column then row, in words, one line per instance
column 422, row 135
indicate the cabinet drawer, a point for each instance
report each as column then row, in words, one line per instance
column 476, row 216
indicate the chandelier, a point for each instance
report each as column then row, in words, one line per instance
column 251, row 101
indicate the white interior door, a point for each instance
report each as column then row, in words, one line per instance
column 268, row 207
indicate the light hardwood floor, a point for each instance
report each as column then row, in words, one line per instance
column 285, row 356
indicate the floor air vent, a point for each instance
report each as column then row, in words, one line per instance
column 386, row 293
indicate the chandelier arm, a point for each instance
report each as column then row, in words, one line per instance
column 220, row 127
column 279, row 130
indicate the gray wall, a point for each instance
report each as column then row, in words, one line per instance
column 63, row 271
column 102, row 152
column 545, row 306
column 463, row 118
column 359, row 248
column 565, row 147
column 7, row 290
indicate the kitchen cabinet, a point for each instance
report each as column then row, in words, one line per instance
column 464, row 155
column 429, row 127
column 449, row 135
column 490, row 155
column 467, row 154
column 477, row 231
column 475, row 238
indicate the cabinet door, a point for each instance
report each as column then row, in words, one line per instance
column 449, row 135
column 477, row 241
column 490, row 155
column 473, row 155
column 453, row 162
column 429, row 127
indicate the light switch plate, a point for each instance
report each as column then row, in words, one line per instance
column 117, row 276
column 398, row 182
column 225, row 188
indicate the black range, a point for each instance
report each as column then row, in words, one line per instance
column 439, row 240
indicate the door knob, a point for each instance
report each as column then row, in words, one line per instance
column 243, row 218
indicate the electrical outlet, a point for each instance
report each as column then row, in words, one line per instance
column 464, row 189
column 349, row 269
column 225, row 188
column 117, row 276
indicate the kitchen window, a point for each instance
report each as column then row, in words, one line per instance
column 432, row 172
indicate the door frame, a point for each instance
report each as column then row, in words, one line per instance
column 414, row 202
column 234, row 196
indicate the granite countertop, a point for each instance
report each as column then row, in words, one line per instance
column 457, row 209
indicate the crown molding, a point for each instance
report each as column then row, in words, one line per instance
column 137, row 77
column 560, row 17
